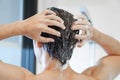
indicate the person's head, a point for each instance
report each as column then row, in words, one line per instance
column 63, row 46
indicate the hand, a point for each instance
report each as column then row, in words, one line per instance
column 35, row 25
column 85, row 30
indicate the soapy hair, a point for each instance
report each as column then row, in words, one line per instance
column 63, row 46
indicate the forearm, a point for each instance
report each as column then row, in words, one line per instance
column 110, row 45
column 9, row 30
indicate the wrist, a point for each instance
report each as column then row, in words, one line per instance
column 19, row 30
column 12, row 28
column 95, row 34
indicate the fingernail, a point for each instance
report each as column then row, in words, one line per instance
column 62, row 22
column 52, row 40
column 63, row 26
column 59, row 34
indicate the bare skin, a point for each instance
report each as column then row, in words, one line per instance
column 67, row 74
column 11, row 72
column 107, row 68
column 33, row 26
column 109, row 44
column 55, row 73
column 102, row 71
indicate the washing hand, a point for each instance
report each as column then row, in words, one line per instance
column 86, row 31
column 35, row 25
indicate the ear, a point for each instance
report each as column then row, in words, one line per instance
column 39, row 44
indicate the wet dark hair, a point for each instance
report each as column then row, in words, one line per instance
column 63, row 46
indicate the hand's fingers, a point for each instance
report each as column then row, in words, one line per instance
column 79, row 17
column 82, row 37
column 82, row 16
column 79, row 27
column 54, row 23
column 83, row 32
column 51, row 31
column 79, row 44
column 83, row 22
column 45, row 40
column 48, row 12
column 53, row 17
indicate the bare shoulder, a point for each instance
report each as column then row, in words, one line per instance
column 56, row 76
column 82, row 77
column 47, row 75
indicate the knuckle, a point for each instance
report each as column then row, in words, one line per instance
column 45, row 11
column 47, row 40
column 48, row 22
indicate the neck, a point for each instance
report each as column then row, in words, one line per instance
column 58, row 73
column 55, row 71
column 55, row 65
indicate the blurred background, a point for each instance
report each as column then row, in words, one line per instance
column 18, row 50
column 10, row 49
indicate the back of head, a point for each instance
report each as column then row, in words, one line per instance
column 63, row 46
